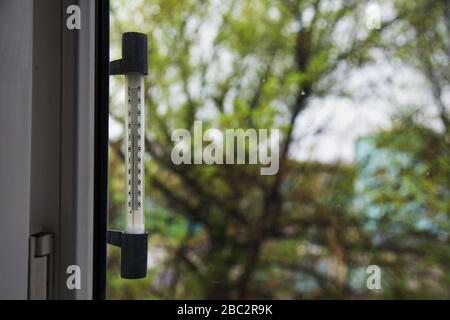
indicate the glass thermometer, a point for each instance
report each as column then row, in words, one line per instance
column 133, row 242
column 135, row 133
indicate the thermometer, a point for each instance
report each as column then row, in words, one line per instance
column 134, row 241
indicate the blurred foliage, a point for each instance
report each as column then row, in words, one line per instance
column 225, row 231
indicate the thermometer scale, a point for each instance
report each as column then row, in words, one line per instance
column 135, row 150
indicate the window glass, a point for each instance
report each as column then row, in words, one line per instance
column 293, row 149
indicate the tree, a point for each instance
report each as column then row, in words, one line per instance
column 428, row 48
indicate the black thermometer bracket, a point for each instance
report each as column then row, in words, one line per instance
column 134, row 55
column 134, row 247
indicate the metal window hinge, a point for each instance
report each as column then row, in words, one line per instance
column 40, row 266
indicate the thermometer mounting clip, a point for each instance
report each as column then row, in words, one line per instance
column 134, row 55
column 133, row 260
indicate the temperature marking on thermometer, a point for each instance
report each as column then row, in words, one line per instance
column 135, row 151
